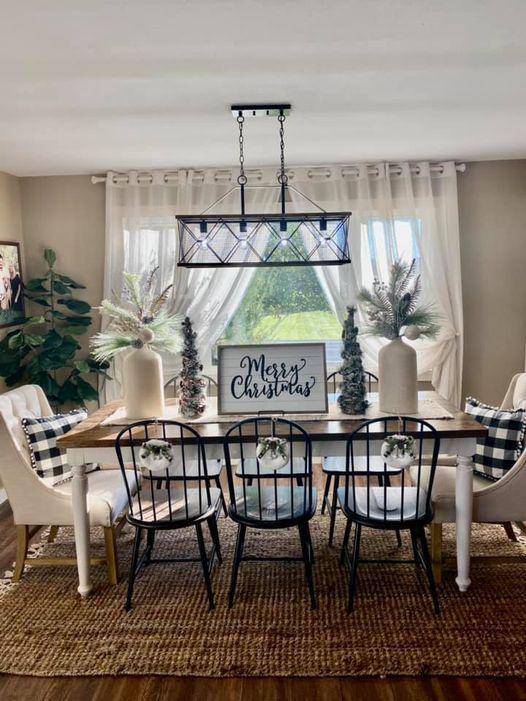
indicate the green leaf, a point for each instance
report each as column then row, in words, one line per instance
column 69, row 393
column 59, row 315
column 50, row 256
column 40, row 300
column 77, row 320
column 69, row 282
column 33, row 340
column 16, row 341
column 36, row 285
column 48, row 384
column 75, row 330
column 60, row 288
column 35, row 365
column 76, row 305
column 86, row 391
column 15, row 377
column 53, row 340
column 82, row 366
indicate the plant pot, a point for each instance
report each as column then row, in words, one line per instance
column 398, row 392
column 143, row 384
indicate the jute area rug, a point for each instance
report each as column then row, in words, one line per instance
column 47, row 630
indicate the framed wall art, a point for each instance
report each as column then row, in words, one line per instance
column 281, row 377
column 11, row 285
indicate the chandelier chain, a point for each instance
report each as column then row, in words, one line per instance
column 283, row 178
column 242, row 178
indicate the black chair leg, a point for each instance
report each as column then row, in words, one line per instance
column 204, row 562
column 414, row 541
column 133, row 568
column 333, row 509
column 214, row 532
column 150, row 541
column 354, row 566
column 429, row 570
column 328, row 479
column 237, row 560
column 345, row 544
column 223, row 502
column 307, row 550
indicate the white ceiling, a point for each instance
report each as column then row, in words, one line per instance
column 87, row 86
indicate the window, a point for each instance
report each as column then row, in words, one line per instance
column 285, row 304
column 386, row 240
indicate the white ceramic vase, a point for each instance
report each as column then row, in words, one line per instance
column 398, row 378
column 143, row 384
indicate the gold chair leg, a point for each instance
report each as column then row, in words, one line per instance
column 22, row 544
column 436, row 551
column 111, row 555
column 53, row 532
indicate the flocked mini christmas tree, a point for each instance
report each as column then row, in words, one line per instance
column 192, row 399
column 353, row 392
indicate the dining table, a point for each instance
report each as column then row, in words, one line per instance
column 93, row 441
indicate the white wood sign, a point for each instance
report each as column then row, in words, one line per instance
column 288, row 377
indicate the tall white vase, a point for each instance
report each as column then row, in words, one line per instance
column 398, row 378
column 143, row 384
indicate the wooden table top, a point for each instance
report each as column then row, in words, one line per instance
column 90, row 433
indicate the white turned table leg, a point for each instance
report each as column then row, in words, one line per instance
column 464, row 513
column 79, row 493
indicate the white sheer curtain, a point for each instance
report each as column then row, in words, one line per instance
column 408, row 211
column 141, row 234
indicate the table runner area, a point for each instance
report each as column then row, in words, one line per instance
column 427, row 409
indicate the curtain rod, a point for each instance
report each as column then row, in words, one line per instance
column 225, row 174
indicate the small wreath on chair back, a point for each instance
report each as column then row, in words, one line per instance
column 398, row 450
column 156, row 455
column 272, row 452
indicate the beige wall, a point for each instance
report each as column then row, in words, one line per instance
column 66, row 214
column 492, row 210
column 10, row 221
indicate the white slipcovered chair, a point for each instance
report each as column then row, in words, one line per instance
column 499, row 502
column 34, row 503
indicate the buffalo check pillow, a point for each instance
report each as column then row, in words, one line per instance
column 497, row 453
column 47, row 459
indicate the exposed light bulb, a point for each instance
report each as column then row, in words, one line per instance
column 284, row 242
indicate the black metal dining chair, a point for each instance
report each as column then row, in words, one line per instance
column 265, row 498
column 184, row 499
column 334, row 379
column 171, row 386
column 334, row 467
column 389, row 507
column 215, row 467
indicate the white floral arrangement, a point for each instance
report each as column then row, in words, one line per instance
column 156, row 455
column 398, row 450
column 139, row 319
column 272, row 452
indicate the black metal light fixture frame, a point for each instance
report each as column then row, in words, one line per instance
column 254, row 240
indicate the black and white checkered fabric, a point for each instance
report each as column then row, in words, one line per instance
column 49, row 461
column 498, row 452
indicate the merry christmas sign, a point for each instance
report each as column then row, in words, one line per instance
column 288, row 377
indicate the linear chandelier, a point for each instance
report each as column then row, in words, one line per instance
column 256, row 240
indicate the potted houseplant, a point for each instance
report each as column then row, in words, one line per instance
column 139, row 323
column 393, row 311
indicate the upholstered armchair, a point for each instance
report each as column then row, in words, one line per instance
column 500, row 502
column 34, row 503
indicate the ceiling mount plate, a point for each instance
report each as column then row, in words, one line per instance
column 267, row 110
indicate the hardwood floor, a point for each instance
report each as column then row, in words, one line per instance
column 14, row 688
